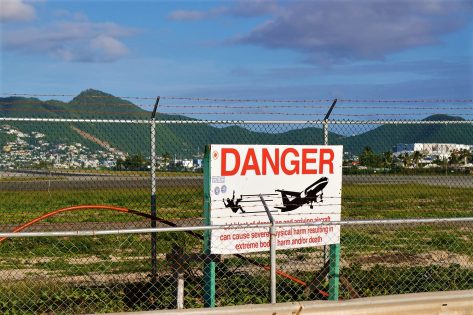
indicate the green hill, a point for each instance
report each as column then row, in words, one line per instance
column 186, row 140
column 385, row 137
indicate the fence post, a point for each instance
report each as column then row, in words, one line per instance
column 334, row 255
column 325, row 122
column 209, row 265
column 272, row 236
column 334, row 272
column 325, row 129
column 153, row 188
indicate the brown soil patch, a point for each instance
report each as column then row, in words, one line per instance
column 441, row 258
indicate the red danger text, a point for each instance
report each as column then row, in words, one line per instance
column 277, row 161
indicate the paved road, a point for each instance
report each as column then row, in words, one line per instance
column 95, row 181
column 433, row 180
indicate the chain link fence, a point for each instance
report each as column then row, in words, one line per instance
column 75, row 174
column 111, row 272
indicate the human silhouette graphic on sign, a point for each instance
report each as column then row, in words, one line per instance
column 234, row 205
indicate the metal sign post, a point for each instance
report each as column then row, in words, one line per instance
column 334, row 272
column 209, row 265
column 272, row 232
column 153, row 188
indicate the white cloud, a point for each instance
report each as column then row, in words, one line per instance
column 108, row 47
column 335, row 31
column 66, row 14
column 83, row 41
column 241, row 8
column 328, row 31
column 16, row 10
column 187, row 15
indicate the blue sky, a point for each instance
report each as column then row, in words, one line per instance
column 243, row 49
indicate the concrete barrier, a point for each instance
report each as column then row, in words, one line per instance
column 451, row 302
column 441, row 303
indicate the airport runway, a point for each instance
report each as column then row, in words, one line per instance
column 102, row 181
column 26, row 181
column 432, row 180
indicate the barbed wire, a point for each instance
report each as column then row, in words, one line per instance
column 233, row 100
column 305, row 114
column 200, row 99
column 316, row 106
column 74, row 95
column 263, row 211
column 241, row 113
column 407, row 101
column 132, row 113
column 397, row 114
column 67, row 111
column 243, row 107
column 21, row 102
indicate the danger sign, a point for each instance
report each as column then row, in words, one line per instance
column 299, row 184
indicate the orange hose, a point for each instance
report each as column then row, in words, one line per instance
column 126, row 210
column 84, row 207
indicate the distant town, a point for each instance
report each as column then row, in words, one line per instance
column 32, row 150
column 414, row 156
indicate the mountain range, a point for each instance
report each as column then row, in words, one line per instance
column 187, row 140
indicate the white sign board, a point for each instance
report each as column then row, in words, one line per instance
column 300, row 183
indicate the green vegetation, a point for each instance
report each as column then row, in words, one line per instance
column 382, row 280
column 135, row 162
column 406, row 161
column 125, row 296
column 4, row 138
column 371, row 159
column 358, row 202
column 18, row 207
column 405, row 201
column 405, row 243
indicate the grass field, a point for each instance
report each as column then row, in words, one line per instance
column 112, row 272
column 405, row 201
column 173, row 202
column 358, row 202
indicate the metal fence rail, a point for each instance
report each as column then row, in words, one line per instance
column 116, row 205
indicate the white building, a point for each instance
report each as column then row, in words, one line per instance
column 433, row 150
column 188, row 164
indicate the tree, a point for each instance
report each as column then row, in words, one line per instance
column 406, row 160
column 416, row 157
column 135, row 162
column 369, row 158
column 166, row 158
column 44, row 165
column 120, row 164
column 465, row 156
column 387, row 159
column 132, row 163
column 455, row 157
